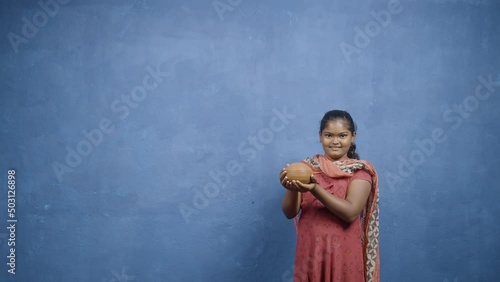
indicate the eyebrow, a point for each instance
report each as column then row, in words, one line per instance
column 343, row 132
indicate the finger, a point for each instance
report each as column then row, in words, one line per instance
column 296, row 184
column 287, row 183
column 313, row 179
column 288, row 186
column 284, row 181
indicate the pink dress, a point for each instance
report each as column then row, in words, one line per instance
column 329, row 249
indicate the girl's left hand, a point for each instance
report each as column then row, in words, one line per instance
column 302, row 187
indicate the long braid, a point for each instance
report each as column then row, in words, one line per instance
column 352, row 152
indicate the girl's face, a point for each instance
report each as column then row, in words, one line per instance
column 336, row 139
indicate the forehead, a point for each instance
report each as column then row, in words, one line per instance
column 337, row 125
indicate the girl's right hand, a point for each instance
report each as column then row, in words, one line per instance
column 284, row 181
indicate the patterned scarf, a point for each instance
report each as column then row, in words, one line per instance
column 369, row 216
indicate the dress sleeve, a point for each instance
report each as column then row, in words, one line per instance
column 361, row 175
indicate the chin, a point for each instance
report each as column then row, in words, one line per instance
column 334, row 157
column 337, row 157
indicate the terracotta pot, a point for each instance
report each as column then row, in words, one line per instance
column 299, row 171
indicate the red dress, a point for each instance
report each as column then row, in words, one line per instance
column 329, row 249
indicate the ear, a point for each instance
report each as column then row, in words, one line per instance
column 320, row 137
column 353, row 136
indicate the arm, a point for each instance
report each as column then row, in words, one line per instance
column 350, row 208
column 291, row 203
column 292, row 199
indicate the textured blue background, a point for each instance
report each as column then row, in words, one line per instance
column 117, row 215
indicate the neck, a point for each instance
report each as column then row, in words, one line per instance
column 343, row 158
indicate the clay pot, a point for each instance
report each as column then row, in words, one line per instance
column 299, row 171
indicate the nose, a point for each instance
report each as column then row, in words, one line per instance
column 335, row 141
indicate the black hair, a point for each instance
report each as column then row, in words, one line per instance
column 344, row 116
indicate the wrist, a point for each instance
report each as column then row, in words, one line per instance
column 315, row 187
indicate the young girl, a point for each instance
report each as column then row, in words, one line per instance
column 338, row 227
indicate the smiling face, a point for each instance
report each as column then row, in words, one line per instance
column 336, row 139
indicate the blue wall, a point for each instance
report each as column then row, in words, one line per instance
column 147, row 136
